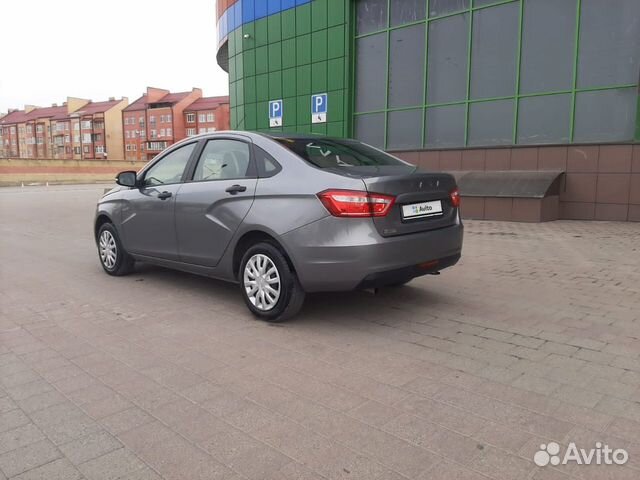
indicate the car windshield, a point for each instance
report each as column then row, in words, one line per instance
column 334, row 153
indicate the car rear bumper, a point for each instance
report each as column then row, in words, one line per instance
column 404, row 274
column 335, row 254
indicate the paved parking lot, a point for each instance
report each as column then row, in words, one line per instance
column 533, row 338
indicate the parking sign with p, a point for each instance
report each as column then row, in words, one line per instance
column 319, row 108
column 275, row 113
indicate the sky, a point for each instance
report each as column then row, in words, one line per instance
column 100, row 49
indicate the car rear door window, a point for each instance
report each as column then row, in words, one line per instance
column 223, row 159
column 267, row 165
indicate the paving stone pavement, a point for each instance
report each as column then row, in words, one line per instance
column 534, row 337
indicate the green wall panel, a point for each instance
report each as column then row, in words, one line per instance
column 289, row 82
column 289, row 106
column 275, row 56
column 262, row 59
column 288, row 18
column 336, row 101
column 261, row 29
column 303, row 19
column 319, row 128
column 240, row 92
column 289, row 53
column 336, row 45
column 262, row 87
column 303, row 83
column 319, row 45
column 275, row 85
column 250, row 89
column 290, row 56
column 303, row 49
column 249, row 60
column 318, row 77
column 336, row 12
column 239, row 63
column 335, row 76
column 318, row 15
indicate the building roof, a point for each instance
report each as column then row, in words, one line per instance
column 139, row 104
column 207, row 103
column 97, row 107
column 172, row 97
column 47, row 112
column 142, row 103
column 17, row 116
column 20, row 116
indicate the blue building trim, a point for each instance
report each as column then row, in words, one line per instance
column 245, row 11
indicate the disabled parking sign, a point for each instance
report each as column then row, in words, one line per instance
column 275, row 113
column 319, row 108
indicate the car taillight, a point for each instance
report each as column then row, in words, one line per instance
column 454, row 196
column 354, row 203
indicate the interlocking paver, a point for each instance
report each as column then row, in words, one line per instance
column 12, row 419
column 19, row 437
column 533, row 337
column 60, row 469
column 89, row 447
column 27, row 457
column 111, row 466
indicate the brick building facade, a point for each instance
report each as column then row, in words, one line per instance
column 155, row 121
column 206, row 115
column 81, row 129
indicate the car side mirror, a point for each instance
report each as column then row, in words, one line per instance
column 127, row 179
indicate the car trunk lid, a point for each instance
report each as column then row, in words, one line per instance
column 422, row 202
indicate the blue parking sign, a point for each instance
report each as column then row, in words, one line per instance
column 275, row 113
column 319, row 108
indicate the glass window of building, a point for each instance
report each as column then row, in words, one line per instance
column 407, row 11
column 406, row 66
column 371, row 72
column 548, row 45
column 404, row 129
column 609, row 51
column 498, row 72
column 444, row 7
column 494, row 51
column 448, row 56
column 491, row 123
column 444, row 126
column 370, row 129
column 371, row 15
column 544, row 119
column 606, row 115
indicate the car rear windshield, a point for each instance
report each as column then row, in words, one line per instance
column 335, row 153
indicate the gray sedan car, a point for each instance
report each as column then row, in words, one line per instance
column 281, row 216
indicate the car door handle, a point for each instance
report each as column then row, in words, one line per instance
column 233, row 189
column 164, row 195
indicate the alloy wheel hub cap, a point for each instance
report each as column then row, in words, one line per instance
column 261, row 281
column 108, row 249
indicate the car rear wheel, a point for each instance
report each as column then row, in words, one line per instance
column 113, row 257
column 269, row 286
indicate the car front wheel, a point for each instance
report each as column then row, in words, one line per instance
column 269, row 286
column 113, row 257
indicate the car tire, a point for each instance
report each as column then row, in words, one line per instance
column 269, row 286
column 113, row 257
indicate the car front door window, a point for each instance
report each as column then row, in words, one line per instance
column 170, row 168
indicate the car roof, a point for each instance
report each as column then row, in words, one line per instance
column 253, row 135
